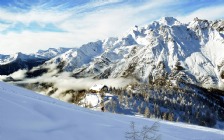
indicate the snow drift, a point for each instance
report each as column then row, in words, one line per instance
column 27, row 115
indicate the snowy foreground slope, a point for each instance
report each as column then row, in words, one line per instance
column 25, row 115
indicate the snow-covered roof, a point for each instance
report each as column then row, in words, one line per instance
column 97, row 87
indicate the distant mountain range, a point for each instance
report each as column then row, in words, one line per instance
column 166, row 48
column 12, row 63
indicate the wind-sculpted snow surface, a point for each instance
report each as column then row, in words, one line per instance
column 27, row 115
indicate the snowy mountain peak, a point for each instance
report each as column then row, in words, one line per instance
column 5, row 59
column 219, row 26
column 199, row 24
column 21, row 56
column 169, row 21
column 51, row 52
column 41, row 54
column 77, row 57
column 108, row 43
column 14, row 62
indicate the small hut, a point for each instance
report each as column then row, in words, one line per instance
column 99, row 88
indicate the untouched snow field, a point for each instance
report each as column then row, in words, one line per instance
column 25, row 115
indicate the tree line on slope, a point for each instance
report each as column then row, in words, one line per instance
column 173, row 103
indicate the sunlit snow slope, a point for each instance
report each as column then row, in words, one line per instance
column 25, row 115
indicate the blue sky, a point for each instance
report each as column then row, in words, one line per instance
column 30, row 25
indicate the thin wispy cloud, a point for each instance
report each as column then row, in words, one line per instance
column 31, row 25
column 211, row 12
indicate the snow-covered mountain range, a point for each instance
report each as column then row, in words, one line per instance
column 14, row 62
column 167, row 48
